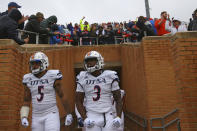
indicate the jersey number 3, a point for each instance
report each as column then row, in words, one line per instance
column 98, row 93
column 40, row 88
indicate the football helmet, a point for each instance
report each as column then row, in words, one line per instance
column 100, row 61
column 39, row 57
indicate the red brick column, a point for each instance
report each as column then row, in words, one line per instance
column 10, row 87
column 185, row 56
column 161, row 90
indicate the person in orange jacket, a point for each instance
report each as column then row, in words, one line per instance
column 160, row 24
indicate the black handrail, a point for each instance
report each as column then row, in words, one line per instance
column 131, row 116
column 164, row 126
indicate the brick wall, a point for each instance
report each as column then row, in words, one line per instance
column 161, row 88
column 10, row 86
column 133, row 79
column 185, row 62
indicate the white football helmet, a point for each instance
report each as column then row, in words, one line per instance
column 39, row 57
column 100, row 61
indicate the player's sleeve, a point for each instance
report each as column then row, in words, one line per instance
column 115, row 86
column 56, row 74
column 115, row 81
column 59, row 75
column 25, row 79
column 78, row 82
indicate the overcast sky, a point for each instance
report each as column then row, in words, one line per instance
column 104, row 10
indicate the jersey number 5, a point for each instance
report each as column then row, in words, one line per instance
column 40, row 88
column 98, row 93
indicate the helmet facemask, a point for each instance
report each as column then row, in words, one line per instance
column 39, row 69
column 99, row 64
column 41, row 59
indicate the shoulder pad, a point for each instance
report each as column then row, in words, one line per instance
column 81, row 75
column 56, row 74
column 26, row 78
column 111, row 74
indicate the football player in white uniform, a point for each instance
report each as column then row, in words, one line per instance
column 41, row 86
column 80, row 119
column 97, row 86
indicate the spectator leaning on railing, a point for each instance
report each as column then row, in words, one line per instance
column 33, row 25
column 9, row 25
column 75, row 34
column 46, row 24
column 109, row 36
column 85, row 36
column 93, row 34
column 55, row 39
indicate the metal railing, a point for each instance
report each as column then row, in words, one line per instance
column 118, row 39
column 164, row 126
column 20, row 33
column 91, row 38
column 140, row 121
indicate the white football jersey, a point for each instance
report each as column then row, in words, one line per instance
column 98, row 90
column 42, row 91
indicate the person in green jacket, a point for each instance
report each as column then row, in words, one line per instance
column 85, row 24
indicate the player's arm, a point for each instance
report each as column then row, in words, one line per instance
column 24, row 112
column 27, row 96
column 27, row 101
column 118, row 100
column 79, row 97
column 59, row 91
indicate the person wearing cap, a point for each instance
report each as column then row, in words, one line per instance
column 11, row 5
column 14, row 5
column 9, row 25
column 33, row 25
column 175, row 26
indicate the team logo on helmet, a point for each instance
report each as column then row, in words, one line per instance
column 89, row 53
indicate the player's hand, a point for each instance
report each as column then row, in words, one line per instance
column 68, row 120
column 24, row 122
column 88, row 123
column 80, row 122
column 116, row 122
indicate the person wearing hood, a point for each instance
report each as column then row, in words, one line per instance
column 144, row 28
column 9, row 26
column 47, row 24
column 33, row 25
column 14, row 5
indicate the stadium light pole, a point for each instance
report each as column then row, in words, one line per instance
column 147, row 9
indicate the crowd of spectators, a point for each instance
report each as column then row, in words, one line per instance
column 84, row 33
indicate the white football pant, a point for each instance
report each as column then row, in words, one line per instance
column 100, row 123
column 49, row 122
